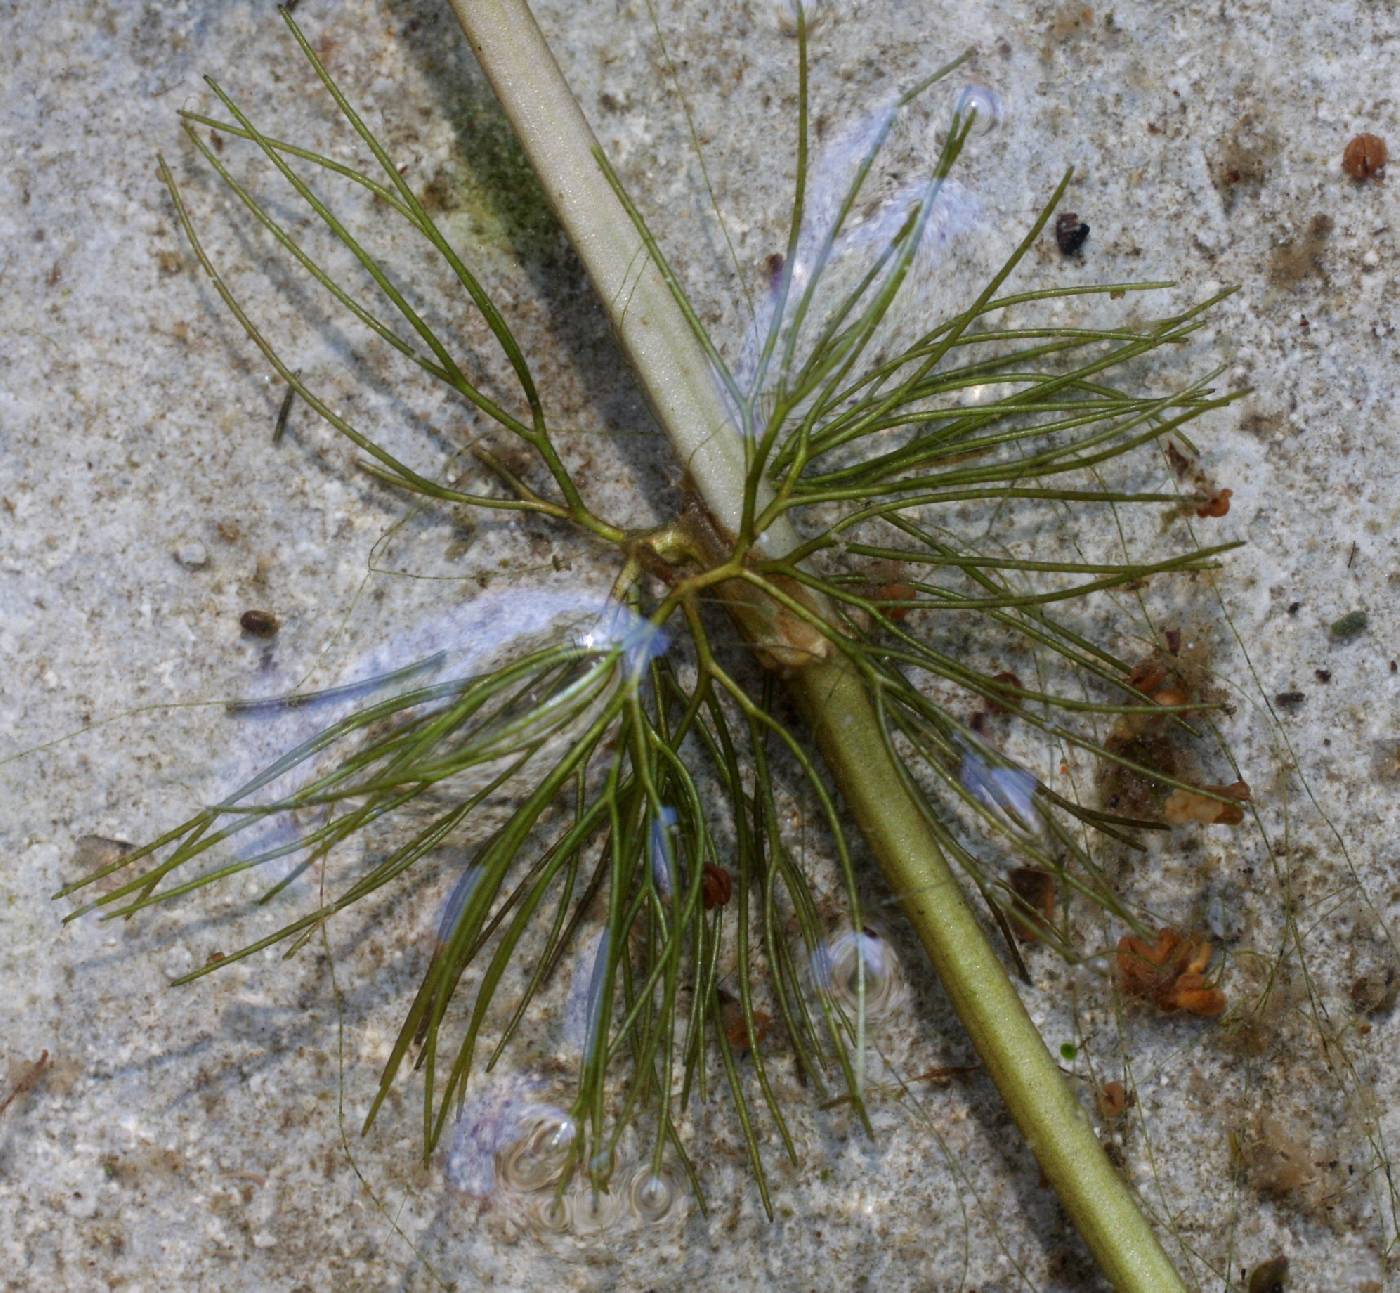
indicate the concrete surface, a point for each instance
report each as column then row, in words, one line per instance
column 189, row 1139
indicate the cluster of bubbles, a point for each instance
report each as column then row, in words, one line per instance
column 838, row 966
column 577, row 1208
column 522, row 1154
column 541, row 1152
column 584, row 1212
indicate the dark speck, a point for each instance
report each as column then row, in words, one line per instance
column 1070, row 233
column 260, row 624
column 1269, row 1277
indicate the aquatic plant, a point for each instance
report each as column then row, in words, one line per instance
column 644, row 758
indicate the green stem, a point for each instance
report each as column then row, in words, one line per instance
column 839, row 709
column 690, row 406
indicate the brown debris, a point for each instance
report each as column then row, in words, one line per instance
column 896, row 592
column 1300, row 256
column 1269, row 1277
column 1210, row 500
column 1170, row 677
column 1114, row 1100
column 1279, row 1164
column 1218, row 504
column 259, row 624
column 1365, row 156
column 1011, row 680
column 716, row 886
column 27, row 1082
column 736, row 1031
column 1241, row 162
column 1071, row 233
column 1034, row 908
column 1186, row 806
column 1169, row 973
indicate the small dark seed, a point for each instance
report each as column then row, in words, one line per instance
column 260, row 624
column 1322, row 675
column 1290, row 698
column 1070, row 232
column 716, row 886
column 1364, row 156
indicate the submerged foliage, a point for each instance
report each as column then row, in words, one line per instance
column 646, row 759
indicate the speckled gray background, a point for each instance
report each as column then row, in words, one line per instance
column 189, row 1139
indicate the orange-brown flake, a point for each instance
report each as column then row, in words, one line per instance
column 1113, row 1100
column 1216, row 503
column 1009, row 679
column 1185, row 806
column 736, row 1031
column 896, row 592
column 1208, row 498
column 716, row 885
column 1170, row 972
column 1148, row 675
column 1365, row 155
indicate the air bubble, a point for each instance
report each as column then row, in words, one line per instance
column 982, row 100
column 837, row 970
column 543, row 1151
column 595, row 1211
column 662, row 849
column 549, row 1213
column 1007, row 791
column 652, row 1194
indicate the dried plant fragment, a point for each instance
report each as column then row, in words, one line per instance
column 29, row 1079
column 1209, row 500
column 1151, row 741
column 1169, row 973
column 1114, row 1100
column 736, row 1030
column 1186, row 806
column 1217, row 504
column 1300, row 256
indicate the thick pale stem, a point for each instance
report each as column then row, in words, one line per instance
column 669, row 361
column 689, row 405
